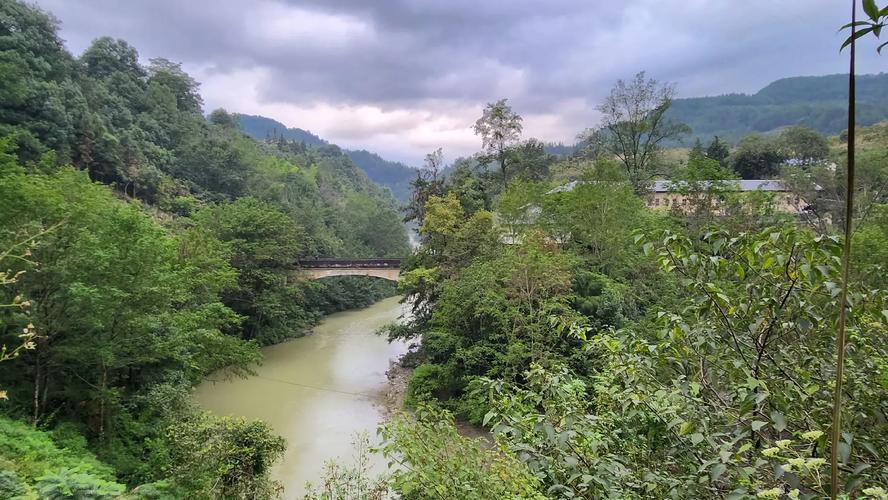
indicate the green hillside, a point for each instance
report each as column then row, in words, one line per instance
column 392, row 174
column 261, row 127
column 818, row 102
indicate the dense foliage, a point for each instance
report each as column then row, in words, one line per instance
column 618, row 351
column 613, row 349
column 145, row 245
column 394, row 175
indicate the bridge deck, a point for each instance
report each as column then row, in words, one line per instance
column 350, row 263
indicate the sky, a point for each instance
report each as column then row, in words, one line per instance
column 404, row 77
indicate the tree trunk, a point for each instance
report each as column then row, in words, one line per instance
column 37, row 375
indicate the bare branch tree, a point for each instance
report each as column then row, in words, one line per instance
column 500, row 129
column 634, row 125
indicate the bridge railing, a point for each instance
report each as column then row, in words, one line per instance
column 350, row 263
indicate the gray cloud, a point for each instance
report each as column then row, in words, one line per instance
column 372, row 73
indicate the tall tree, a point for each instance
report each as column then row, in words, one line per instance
column 757, row 157
column 635, row 125
column 500, row 129
column 718, row 150
column 697, row 151
column 425, row 185
column 803, row 145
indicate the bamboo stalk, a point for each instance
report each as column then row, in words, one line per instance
column 846, row 264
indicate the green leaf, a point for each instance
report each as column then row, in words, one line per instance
column 779, row 421
column 696, row 437
column 487, row 418
column 855, row 36
column 856, row 23
column 717, row 471
column 869, row 6
column 758, row 424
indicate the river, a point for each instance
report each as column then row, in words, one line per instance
column 318, row 391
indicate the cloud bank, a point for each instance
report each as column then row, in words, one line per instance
column 402, row 77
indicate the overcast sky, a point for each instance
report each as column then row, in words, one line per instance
column 403, row 77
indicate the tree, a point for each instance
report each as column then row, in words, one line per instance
column 635, row 124
column 117, row 307
column 224, row 119
column 706, row 187
column 718, row 151
column 697, row 151
column 264, row 243
column 499, row 128
column 107, row 56
column 425, row 185
column 802, row 145
column 183, row 86
column 530, row 161
column 757, row 157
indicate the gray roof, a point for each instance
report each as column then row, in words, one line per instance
column 741, row 185
column 667, row 186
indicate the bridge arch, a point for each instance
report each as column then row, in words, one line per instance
column 388, row 269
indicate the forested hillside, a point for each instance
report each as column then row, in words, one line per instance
column 144, row 246
column 394, row 175
column 817, row 102
column 260, row 127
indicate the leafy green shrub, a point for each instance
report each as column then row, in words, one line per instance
column 436, row 462
column 216, row 457
column 10, row 484
column 427, row 382
column 34, row 454
column 68, row 484
column 158, row 490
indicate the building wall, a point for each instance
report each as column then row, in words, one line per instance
column 784, row 201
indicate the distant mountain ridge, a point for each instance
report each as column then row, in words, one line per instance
column 392, row 174
column 818, row 102
column 261, row 127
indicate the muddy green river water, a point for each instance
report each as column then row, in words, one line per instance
column 317, row 391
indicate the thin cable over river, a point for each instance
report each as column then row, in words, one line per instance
column 317, row 391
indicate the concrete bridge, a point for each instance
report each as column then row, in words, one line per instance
column 388, row 269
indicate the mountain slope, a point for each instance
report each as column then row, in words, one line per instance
column 394, row 175
column 261, row 127
column 819, row 102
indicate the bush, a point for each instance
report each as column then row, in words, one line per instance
column 69, row 484
column 429, row 381
column 10, row 485
column 33, row 454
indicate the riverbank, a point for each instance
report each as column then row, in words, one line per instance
column 392, row 401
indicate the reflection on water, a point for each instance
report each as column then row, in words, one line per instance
column 316, row 391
